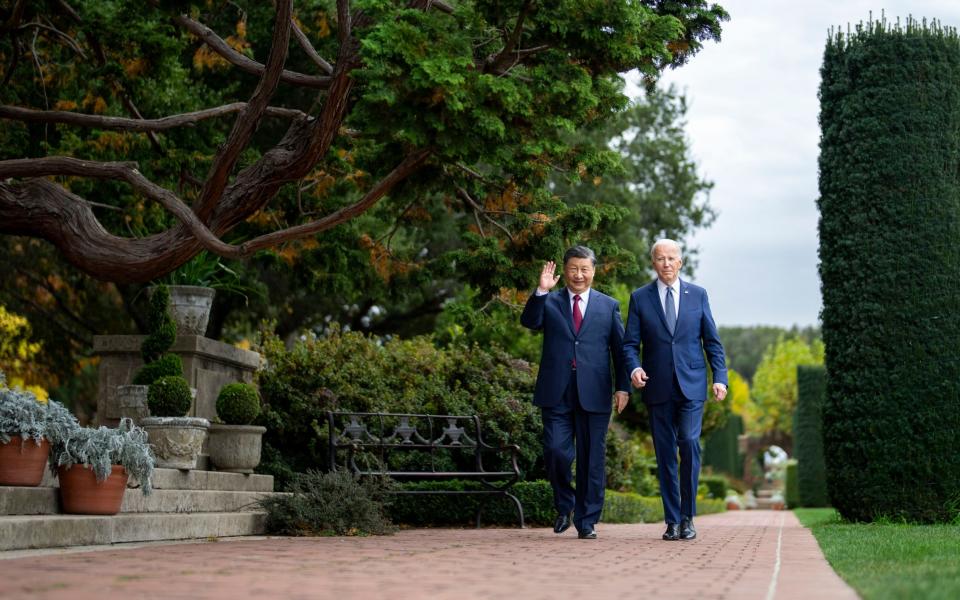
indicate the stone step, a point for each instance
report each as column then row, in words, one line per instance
column 45, row 501
column 175, row 479
column 58, row 531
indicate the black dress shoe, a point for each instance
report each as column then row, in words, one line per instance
column 587, row 533
column 672, row 533
column 563, row 522
column 687, row 532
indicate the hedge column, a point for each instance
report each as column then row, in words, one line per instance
column 808, row 435
column 890, row 270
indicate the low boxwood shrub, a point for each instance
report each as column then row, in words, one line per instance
column 461, row 509
column 716, row 485
column 537, row 500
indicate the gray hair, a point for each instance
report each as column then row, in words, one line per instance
column 666, row 242
column 580, row 252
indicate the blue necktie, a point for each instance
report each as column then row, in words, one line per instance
column 671, row 312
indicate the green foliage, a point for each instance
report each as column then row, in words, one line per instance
column 774, row 388
column 745, row 346
column 352, row 372
column 238, row 404
column 721, row 450
column 716, row 485
column 654, row 176
column 167, row 364
column 808, row 436
column 620, row 507
column 537, row 500
column 335, row 503
column 22, row 415
column 631, row 464
column 161, row 330
column 104, row 447
column 792, row 484
column 169, row 396
column 889, row 561
column 446, row 510
column 890, row 270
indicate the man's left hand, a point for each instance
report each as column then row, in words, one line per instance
column 621, row 399
column 719, row 392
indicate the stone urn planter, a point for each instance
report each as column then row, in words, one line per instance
column 190, row 308
column 22, row 461
column 132, row 402
column 235, row 448
column 176, row 441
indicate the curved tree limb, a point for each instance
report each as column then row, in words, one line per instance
column 249, row 118
column 407, row 167
column 41, row 208
column 61, row 165
column 307, row 47
column 251, row 66
column 29, row 115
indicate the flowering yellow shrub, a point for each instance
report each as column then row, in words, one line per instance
column 16, row 351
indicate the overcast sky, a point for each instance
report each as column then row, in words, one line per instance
column 752, row 124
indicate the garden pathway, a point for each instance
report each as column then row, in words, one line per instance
column 741, row 555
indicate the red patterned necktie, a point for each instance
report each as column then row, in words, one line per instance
column 577, row 315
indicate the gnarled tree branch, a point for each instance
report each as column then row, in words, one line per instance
column 249, row 118
column 61, row 165
column 307, row 47
column 29, row 115
column 251, row 66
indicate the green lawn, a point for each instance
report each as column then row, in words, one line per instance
column 889, row 560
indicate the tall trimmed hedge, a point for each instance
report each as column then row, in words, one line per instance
column 722, row 449
column 808, row 435
column 890, row 270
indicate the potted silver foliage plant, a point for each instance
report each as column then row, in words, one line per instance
column 28, row 427
column 94, row 466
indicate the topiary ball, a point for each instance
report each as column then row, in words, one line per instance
column 238, row 404
column 169, row 396
column 168, row 364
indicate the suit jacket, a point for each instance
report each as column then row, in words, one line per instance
column 599, row 340
column 680, row 354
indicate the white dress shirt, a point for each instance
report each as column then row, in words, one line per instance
column 584, row 298
column 662, row 290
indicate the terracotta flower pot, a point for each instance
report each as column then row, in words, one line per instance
column 82, row 494
column 22, row 462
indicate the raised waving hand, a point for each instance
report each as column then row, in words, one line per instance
column 548, row 277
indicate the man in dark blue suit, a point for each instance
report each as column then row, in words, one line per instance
column 582, row 332
column 670, row 321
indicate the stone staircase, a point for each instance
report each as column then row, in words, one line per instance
column 183, row 505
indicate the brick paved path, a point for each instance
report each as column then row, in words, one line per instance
column 739, row 555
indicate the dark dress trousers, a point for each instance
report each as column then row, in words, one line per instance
column 576, row 402
column 677, row 385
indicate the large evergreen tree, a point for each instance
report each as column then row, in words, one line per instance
column 890, row 270
column 140, row 133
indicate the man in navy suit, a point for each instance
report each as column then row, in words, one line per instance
column 670, row 321
column 582, row 333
